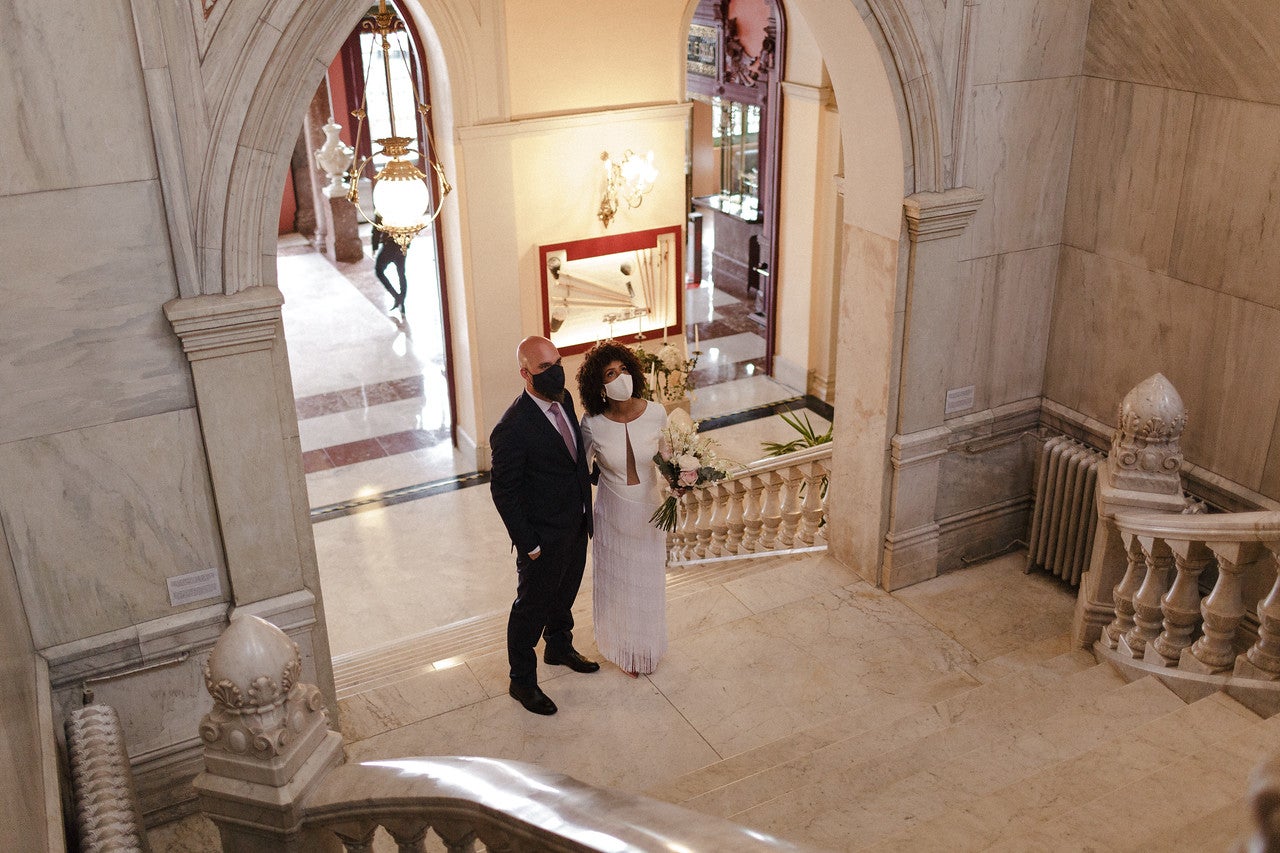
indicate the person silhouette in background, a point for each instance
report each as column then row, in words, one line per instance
column 387, row 251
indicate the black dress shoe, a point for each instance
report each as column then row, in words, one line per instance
column 532, row 698
column 571, row 659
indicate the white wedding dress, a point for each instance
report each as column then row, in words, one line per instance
column 628, row 554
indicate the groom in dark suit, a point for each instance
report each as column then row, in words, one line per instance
column 542, row 491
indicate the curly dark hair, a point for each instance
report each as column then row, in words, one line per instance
column 591, row 374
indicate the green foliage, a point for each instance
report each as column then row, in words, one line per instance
column 809, row 437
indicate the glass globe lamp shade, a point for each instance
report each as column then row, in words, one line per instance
column 400, row 195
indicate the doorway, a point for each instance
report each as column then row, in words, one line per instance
column 733, row 66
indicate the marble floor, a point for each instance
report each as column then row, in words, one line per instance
column 391, row 496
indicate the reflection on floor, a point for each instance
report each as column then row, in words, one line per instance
column 404, row 548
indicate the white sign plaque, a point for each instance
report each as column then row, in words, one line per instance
column 194, row 586
column 959, row 400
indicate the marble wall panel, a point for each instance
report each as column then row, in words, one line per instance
column 1002, row 326
column 86, row 339
column 84, row 123
column 1028, row 40
column 1126, row 171
column 1271, row 468
column 1228, row 232
column 21, row 781
column 1022, row 308
column 104, row 515
column 1243, row 390
column 1114, row 325
column 1228, row 47
column 973, row 480
column 1018, row 153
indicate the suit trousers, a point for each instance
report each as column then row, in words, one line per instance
column 545, row 591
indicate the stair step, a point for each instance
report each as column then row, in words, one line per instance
column 899, row 747
column 1030, row 656
column 1011, row 815
column 875, row 714
column 1007, row 748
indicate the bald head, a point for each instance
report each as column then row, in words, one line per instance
column 535, row 354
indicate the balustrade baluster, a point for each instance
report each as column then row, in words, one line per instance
column 811, row 508
column 458, row 837
column 1263, row 658
column 719, row 519
column 409, row 834
column 706, row 507
column 824, row 529
column 1181, row 604
column 356, row 836
column 1124, row 591
column 770, row 511
column 1147, row 616
column 790, row 510
column 688, row 525
column 751, row 505
column 496, row 841
column 733, row 521
column 1222, row 611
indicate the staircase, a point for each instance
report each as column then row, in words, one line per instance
column 974, row 724
column 1039, row 749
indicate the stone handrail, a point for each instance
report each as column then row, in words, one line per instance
column 774, row 505
column 275, row 779
column 1162, row 621
column 508, row 805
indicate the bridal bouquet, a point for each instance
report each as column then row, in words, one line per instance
column 686, row 461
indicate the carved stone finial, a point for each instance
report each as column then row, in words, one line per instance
column 1146, row 454
column 260, row 709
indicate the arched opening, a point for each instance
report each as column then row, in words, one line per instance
column 877, row 125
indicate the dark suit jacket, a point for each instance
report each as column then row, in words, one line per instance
column 539, row 490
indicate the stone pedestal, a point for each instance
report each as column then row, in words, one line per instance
column 1142, row 473
column 344, row 237
column 267, row 744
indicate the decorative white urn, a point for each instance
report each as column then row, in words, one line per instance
column 333, row 158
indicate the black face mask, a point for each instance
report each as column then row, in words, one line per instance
column 550, row 382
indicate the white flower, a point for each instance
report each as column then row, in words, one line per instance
column 688, row 462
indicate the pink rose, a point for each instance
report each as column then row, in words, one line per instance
column 688, row 478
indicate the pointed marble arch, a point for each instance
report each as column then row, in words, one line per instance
column 252, row 128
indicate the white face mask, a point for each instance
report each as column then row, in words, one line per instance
column 620, row 388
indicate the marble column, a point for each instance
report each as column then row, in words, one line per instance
column 1142, row 473
column 244, row 396
column 934, row 223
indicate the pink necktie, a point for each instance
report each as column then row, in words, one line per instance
column 565, row 433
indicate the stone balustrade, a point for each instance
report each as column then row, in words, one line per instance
column 776, row 505
column 275, row 779
column 1163, row 626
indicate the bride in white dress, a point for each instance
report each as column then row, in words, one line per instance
column 628, row 554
